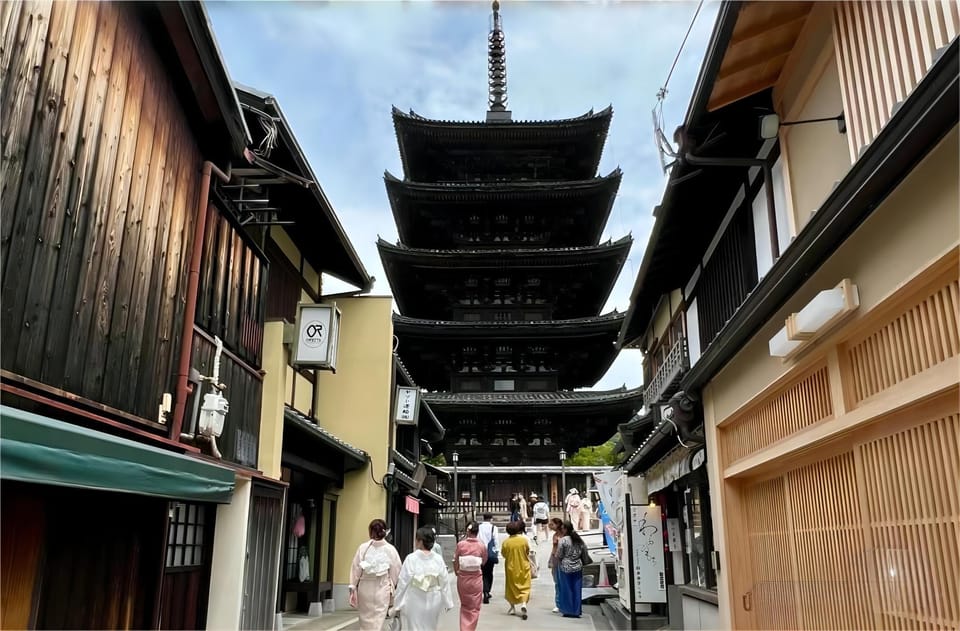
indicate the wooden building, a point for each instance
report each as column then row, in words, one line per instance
column 109, row 113
column 500, row 278
column 806, row 255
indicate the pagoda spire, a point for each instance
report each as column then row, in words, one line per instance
column 497, row 70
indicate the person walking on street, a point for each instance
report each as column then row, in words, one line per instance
column 516, row 565
column 541, row 516
column 586, row 513
column 514, row 508
column 373, row 576
column 467, row 563
column 571, row 554
column 423, row 589
column 487, row 536
column 555, row 525
column 572, row 506
column 524, row 515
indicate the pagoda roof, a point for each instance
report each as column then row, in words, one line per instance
column 538, row 329
column 415, row 204
column 431, row 281
column 519, row 189
column 584, row 347
column 494, row 258
column 576, row 143
column 538, row 400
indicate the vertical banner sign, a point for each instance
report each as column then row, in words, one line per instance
column 413, row 505
column 407, row 411
column 318, row 332
column 650, row 585
column 608, row 528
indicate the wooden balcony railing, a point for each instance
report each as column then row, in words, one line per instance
column 666, row 377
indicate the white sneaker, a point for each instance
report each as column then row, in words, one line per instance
column 555, row 610
column 513, row 611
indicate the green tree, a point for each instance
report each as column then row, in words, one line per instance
column 437, row 461
column 599, row 456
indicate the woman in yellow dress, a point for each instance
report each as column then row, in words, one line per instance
column 515, row 551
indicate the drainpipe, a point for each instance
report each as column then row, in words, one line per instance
column 767, row 186
column 193, row 283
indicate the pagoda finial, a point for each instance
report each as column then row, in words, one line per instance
column 497, row 70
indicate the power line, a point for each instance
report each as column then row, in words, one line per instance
column 663, row 91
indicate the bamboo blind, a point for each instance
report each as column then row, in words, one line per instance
column 867, row 539
column 884, row 49
column 918, row 338
column 798, row 406
column 912, row 505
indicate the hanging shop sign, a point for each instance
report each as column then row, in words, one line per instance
column 407, row 411
column 413, row 505
column 697, row 459
column 318, row 334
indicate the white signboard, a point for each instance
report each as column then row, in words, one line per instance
column 646, row 537
column 318, row 332
column 674, row 542
column 408, row 406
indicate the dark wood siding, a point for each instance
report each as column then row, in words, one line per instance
column 729, row 276
column 241, row 430
column 231, row 302
column 100, row 179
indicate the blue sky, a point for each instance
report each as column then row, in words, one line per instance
column 336, row 69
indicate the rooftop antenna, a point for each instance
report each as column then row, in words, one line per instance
column 497, row 70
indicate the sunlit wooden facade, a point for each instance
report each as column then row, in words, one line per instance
column 831, row 454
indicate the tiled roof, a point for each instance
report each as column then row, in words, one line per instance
column 487, row 253
column 289, row 414
column 563, row 397
column 513, row 324
column 591, row 115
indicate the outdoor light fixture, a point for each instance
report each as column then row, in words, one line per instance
column 770, row 124
column 563, row 455
column 816, row 318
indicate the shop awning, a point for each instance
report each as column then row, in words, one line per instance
column 43, row 450
column 353, row 457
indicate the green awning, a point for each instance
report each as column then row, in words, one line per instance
column 42, row 450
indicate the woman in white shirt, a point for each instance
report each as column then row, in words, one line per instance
column 373, row 575
column 423, row 590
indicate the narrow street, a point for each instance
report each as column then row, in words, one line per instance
column 494, row 616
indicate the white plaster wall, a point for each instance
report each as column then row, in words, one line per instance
column 699, row 615
column 229, row 559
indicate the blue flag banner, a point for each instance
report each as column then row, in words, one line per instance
column 609, row 530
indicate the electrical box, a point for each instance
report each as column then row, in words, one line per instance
column 213, row 412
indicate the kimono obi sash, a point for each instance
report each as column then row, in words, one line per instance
column 470, row 563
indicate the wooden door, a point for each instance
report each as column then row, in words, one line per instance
column 263, row 558
column 186, row 574
column 21, row 547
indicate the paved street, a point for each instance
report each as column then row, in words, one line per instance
column 494, row 616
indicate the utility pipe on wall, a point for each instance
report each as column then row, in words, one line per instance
column 193, row 287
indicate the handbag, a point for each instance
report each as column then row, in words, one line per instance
column 585, row 559
column 534, row 566
column 393, row 623
column 492, row 555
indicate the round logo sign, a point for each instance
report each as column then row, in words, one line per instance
column 313, row 334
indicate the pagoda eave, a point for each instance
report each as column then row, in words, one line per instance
column 499, row 258
column 540, row 330
column 555, row 404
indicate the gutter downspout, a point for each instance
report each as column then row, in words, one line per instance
column 767, row 186
column 193, row 286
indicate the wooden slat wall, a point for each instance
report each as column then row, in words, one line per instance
column 232, row 295
column 772, row 598
column 867, row 539
column 795, row 407
column 916, row 339
column 100, row 180
column 912, row 505
column 241, row 430
column 884, row 49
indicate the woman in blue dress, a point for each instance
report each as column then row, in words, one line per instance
column 570, row 554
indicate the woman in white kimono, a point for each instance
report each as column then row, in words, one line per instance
column 373, row 575
column 424, row 590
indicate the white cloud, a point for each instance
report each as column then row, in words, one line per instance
column 337, row 68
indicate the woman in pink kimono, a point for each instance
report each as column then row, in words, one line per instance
column 467, row 561
column 373, row 577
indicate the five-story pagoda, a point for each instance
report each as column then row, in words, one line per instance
column 500, row 278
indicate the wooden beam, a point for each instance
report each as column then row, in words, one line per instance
column 762, row 58
column 723, row 98
column 778, row 21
